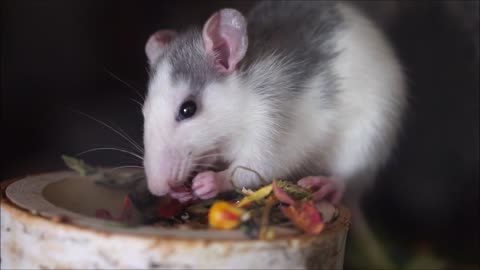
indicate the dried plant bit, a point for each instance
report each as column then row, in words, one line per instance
column 281, row 194
column 197, row 210
column 294, row 191
column 247, row 191
column 277, row 217
column 256, row 213
column 108, row 182
column 200, row 208
column 129, row 174
column 269, row 234
column 79, row 165
column 305, row 216
column 250, row 228
column 119, row 180
column 258, row 195
column 111, row 178
column 257, row 204
column 269, row 203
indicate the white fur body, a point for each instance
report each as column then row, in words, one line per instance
column 348, row 142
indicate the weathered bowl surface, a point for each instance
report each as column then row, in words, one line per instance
column 47, row 222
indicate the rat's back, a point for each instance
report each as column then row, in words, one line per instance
column 288, row 35
column 326, row 59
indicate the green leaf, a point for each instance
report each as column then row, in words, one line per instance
column 294, row 191
column 78, row 165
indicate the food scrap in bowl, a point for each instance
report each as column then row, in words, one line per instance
column 258, row 213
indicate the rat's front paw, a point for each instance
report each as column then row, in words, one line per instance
column 206, row 185
column 323, row 187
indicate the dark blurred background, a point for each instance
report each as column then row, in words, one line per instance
column 60, row 57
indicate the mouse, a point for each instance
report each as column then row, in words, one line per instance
column 304, row 91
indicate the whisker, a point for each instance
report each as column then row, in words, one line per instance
column 202, row 164
column 126, row 137
column 137, row 102
column 127, row 84
column 149, row 73
column 132, row 141
column 111, row 148
column 205, row 156
column 128, row 166
column 209, row 153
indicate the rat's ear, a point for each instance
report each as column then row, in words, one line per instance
column 157, row 42
column 225, row 38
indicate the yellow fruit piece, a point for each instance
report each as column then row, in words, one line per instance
column 256, row 196
column 225, row 216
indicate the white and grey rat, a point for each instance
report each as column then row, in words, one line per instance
column 295, row 90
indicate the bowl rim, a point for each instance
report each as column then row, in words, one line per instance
column 69, row 220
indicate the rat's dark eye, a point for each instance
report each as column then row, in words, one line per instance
column 187, row 110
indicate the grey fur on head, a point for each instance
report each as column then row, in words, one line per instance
column 189, row 61
column 297, row 54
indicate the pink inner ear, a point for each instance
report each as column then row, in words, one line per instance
column 157, row 42
column 225, row 38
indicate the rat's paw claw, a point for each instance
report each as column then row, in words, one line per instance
column 182, row 197
column 181, row 194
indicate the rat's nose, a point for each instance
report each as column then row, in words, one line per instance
column 161, row 169
column 157, row 186
column 158, row 178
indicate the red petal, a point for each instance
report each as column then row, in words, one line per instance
column 170, row 209
column 305, row 216
column 127, row 210
column 309, row 208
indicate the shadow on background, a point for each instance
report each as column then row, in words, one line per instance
column 58, row 57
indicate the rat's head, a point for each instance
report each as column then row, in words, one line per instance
column 194, row 103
